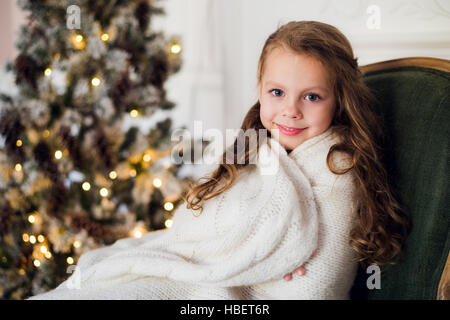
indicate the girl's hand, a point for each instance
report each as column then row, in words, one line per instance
column 300, row 271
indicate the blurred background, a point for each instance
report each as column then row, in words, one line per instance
column 92, row 91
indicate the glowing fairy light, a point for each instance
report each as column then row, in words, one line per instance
column 69, row 260
column 32, row 239
column 104, row 37
column 113, row 175
column 157, row 182
column 19, row 143
column 95, row 81
column 86, row 186
column 48, row 72
column 168, row 223
column 58, row 154
column 168, row 206
column 103, row 192
column 37, row 263
column 31, row 218
column 25, row 237
column 77, row 244
column 134, row 113
column 175, row 48
column 18, row 167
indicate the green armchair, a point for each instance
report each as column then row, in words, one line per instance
column 414, row 100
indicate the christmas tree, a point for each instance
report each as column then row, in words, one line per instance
column 73, row 176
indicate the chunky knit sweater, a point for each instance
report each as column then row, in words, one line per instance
column 267, row 224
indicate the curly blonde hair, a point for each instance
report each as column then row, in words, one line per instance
column 379, row 235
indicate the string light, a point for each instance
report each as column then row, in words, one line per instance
column 168, row 223
column 78, row 38
column 77, row 244
column 157, row 182
column 58, row 154
column 103, row 192
column 21, row 271
column 69, row 260
column 18, row 167
column 48, row 72
column 32, row 239
column 134, row 113
column 104, row 37
column 86, row 186
column 31, row 218
column 168, row 206
column 78, row 42
column 25, row 237
column 19, row 143
column 95, row 81
column 44, row 249
column 37, row 263
column 40, row 238
column 48, row 254
column 175, row 48
column 113, row 175
column 147, row 157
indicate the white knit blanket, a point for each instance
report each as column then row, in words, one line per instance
column 263, row 227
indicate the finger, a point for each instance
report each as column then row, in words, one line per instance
column 288, row 277
column 300, row 271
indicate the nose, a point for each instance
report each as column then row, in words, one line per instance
column 291, row 110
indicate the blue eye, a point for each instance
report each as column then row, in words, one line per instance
column 276, row 90
column 314, row 95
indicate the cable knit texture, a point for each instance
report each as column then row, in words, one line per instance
column 246, row 239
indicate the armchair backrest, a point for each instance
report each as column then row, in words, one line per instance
column 414, row 100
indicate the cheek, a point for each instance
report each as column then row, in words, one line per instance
column 266, row 113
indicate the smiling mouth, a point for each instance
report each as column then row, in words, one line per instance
column 289, row 128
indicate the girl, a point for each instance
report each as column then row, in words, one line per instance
column 327, row 203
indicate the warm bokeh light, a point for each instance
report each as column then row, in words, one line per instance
column 86, row 186
column 168, row 206
column 157, row 182
column 95, row 81
column 32, row 239
column 37, row 263
column 25, row 237
column 31, row 218
column 77, row 244
column 48, row 72
column 40, row 238
column 113, row 175
column 69, row 260
column 175, row 48
column 104, row 192
column 168, row 223
column 18, row 167
column 104, row 37
column 134, row 113
column 19, row 143
column 58, row 154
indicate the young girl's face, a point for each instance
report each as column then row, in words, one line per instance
column 295, row 92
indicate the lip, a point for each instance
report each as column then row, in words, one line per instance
column 289, row 132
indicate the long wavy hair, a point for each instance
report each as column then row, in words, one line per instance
column 382, row 224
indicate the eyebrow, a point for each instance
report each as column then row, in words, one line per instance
column 306, row 89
